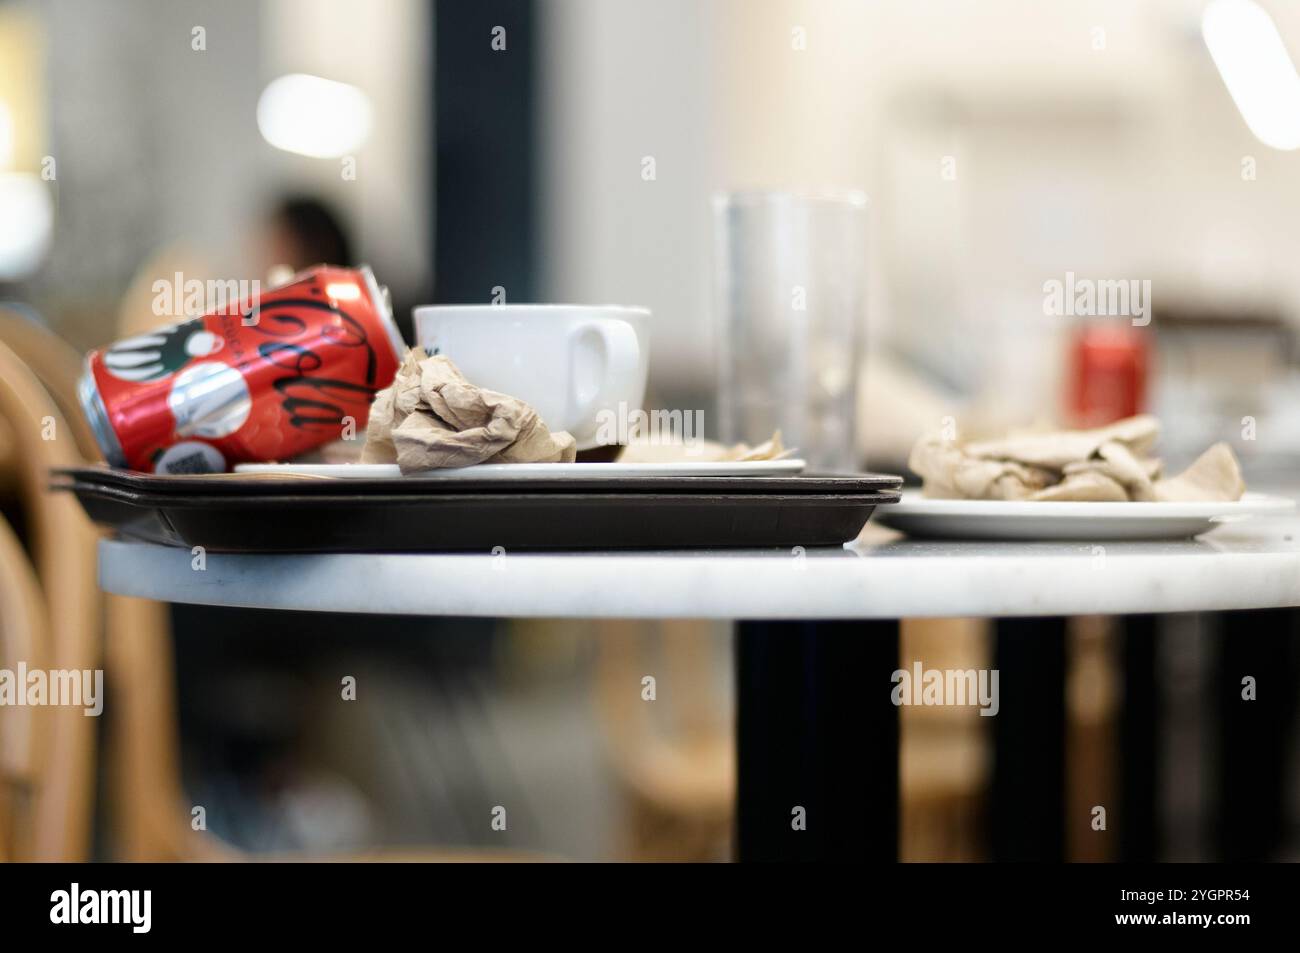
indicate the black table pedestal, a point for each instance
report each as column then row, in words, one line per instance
column 817, row 741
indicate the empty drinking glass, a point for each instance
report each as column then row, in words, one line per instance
column 791, row 300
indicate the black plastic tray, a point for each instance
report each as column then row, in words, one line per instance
column 230, row 485
column 453, row 519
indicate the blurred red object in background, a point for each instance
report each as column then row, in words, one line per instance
column 1109, row 367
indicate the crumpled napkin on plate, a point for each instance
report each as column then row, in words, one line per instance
column 1106, row 464
column 770, row 449
column 704, row 451
column 432, row 417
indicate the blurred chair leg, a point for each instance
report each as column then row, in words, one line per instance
column 143, row 768
column 151, row 819
column 817, row 730
column 1028, row 798
column 6, row 809
column 1256, row 735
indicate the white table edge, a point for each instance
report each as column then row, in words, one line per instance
column 715, row 585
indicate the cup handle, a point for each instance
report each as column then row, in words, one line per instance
column 621, row 353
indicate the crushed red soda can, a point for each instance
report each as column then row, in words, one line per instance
column 258, row 380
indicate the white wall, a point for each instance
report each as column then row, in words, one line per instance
column 1121, row 161
column 153, row 140
column 621, row 80
column 383, row 47
column 157, row 143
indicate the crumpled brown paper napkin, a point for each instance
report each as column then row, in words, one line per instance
column 769, row 449
column 704, row 451
column 432, row 417
column 1106, row 464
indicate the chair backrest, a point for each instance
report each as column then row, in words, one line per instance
column 23, row 638
column 56, row 365
column 62, row 543
column 144, row 780
column 675, row 753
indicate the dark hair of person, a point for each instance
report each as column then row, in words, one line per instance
column 316, row 229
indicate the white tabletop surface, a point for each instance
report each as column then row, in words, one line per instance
column 1255, row 564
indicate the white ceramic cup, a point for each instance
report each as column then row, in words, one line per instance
column 575, row 364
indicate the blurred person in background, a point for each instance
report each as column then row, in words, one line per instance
column 299, row 231
column 302, row 231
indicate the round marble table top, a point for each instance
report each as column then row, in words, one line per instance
column 1253, row 564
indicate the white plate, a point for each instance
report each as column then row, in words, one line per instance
column 917, row 515
column 531, row 471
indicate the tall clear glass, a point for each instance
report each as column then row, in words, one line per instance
column 790, row 283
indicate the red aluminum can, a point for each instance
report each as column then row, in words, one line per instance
column 258, row 380
column 1109, row 367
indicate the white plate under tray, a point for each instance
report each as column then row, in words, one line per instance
column 918, row 515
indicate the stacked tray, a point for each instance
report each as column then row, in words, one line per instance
column 248, row 513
